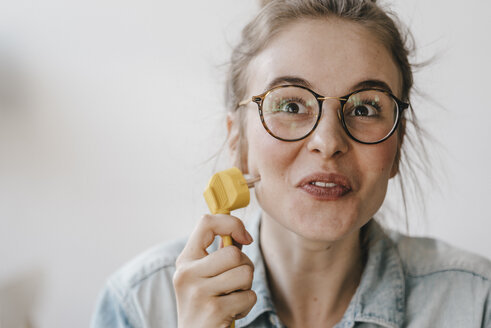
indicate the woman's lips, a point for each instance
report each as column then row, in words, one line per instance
column 322, row 186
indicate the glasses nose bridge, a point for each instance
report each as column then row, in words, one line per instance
column 341, row 102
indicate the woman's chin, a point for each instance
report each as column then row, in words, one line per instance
column 325, row 229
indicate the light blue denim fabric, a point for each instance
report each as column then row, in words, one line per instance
column 407, row 282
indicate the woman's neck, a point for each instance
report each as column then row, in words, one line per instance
column 311, row 282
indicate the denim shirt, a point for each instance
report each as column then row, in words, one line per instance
column 407, row 282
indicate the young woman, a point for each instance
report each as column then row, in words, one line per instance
column 318, row 92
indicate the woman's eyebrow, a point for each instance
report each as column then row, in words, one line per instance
column 288, row 79
column 379, row 84
column 295, row 80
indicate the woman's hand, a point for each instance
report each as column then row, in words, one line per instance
column 214, row 289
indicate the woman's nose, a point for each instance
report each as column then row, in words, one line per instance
column 329, row 138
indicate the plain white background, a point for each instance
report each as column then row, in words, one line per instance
column 110, row 110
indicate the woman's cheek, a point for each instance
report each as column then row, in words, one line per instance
column 253, row 136
column 265, row 153
column 271, row 159
column 379, row 160
column 267, row 158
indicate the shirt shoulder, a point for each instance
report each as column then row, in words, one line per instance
column 444, row 285
column 135, row 295
column 422, row 256
column 150, row 262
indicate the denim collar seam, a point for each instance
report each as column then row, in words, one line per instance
column 395, row 265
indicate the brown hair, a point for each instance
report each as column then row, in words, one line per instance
column 276, row 14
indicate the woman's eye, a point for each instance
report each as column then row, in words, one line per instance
column 291, row 107
column 364, row 110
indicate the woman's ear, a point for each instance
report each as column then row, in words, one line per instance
column 236, row 141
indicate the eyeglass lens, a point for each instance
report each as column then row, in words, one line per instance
column 291, row 113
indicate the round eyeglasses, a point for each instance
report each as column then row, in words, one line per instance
column 292, row 112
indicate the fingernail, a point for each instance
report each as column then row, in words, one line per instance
column 248, row 237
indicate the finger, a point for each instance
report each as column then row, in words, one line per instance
column 209, row 227
column 221, row 261
column 235, row 243
column 238, row 304
column 239, row 278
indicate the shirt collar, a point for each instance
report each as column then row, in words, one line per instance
column 264, row 301
column 379, row 299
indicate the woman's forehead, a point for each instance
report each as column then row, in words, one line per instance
column 332, row 54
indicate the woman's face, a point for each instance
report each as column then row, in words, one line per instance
column 332, row 57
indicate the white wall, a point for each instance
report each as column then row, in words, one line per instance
column 118, row 105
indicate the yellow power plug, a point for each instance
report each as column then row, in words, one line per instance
column 227, row 191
